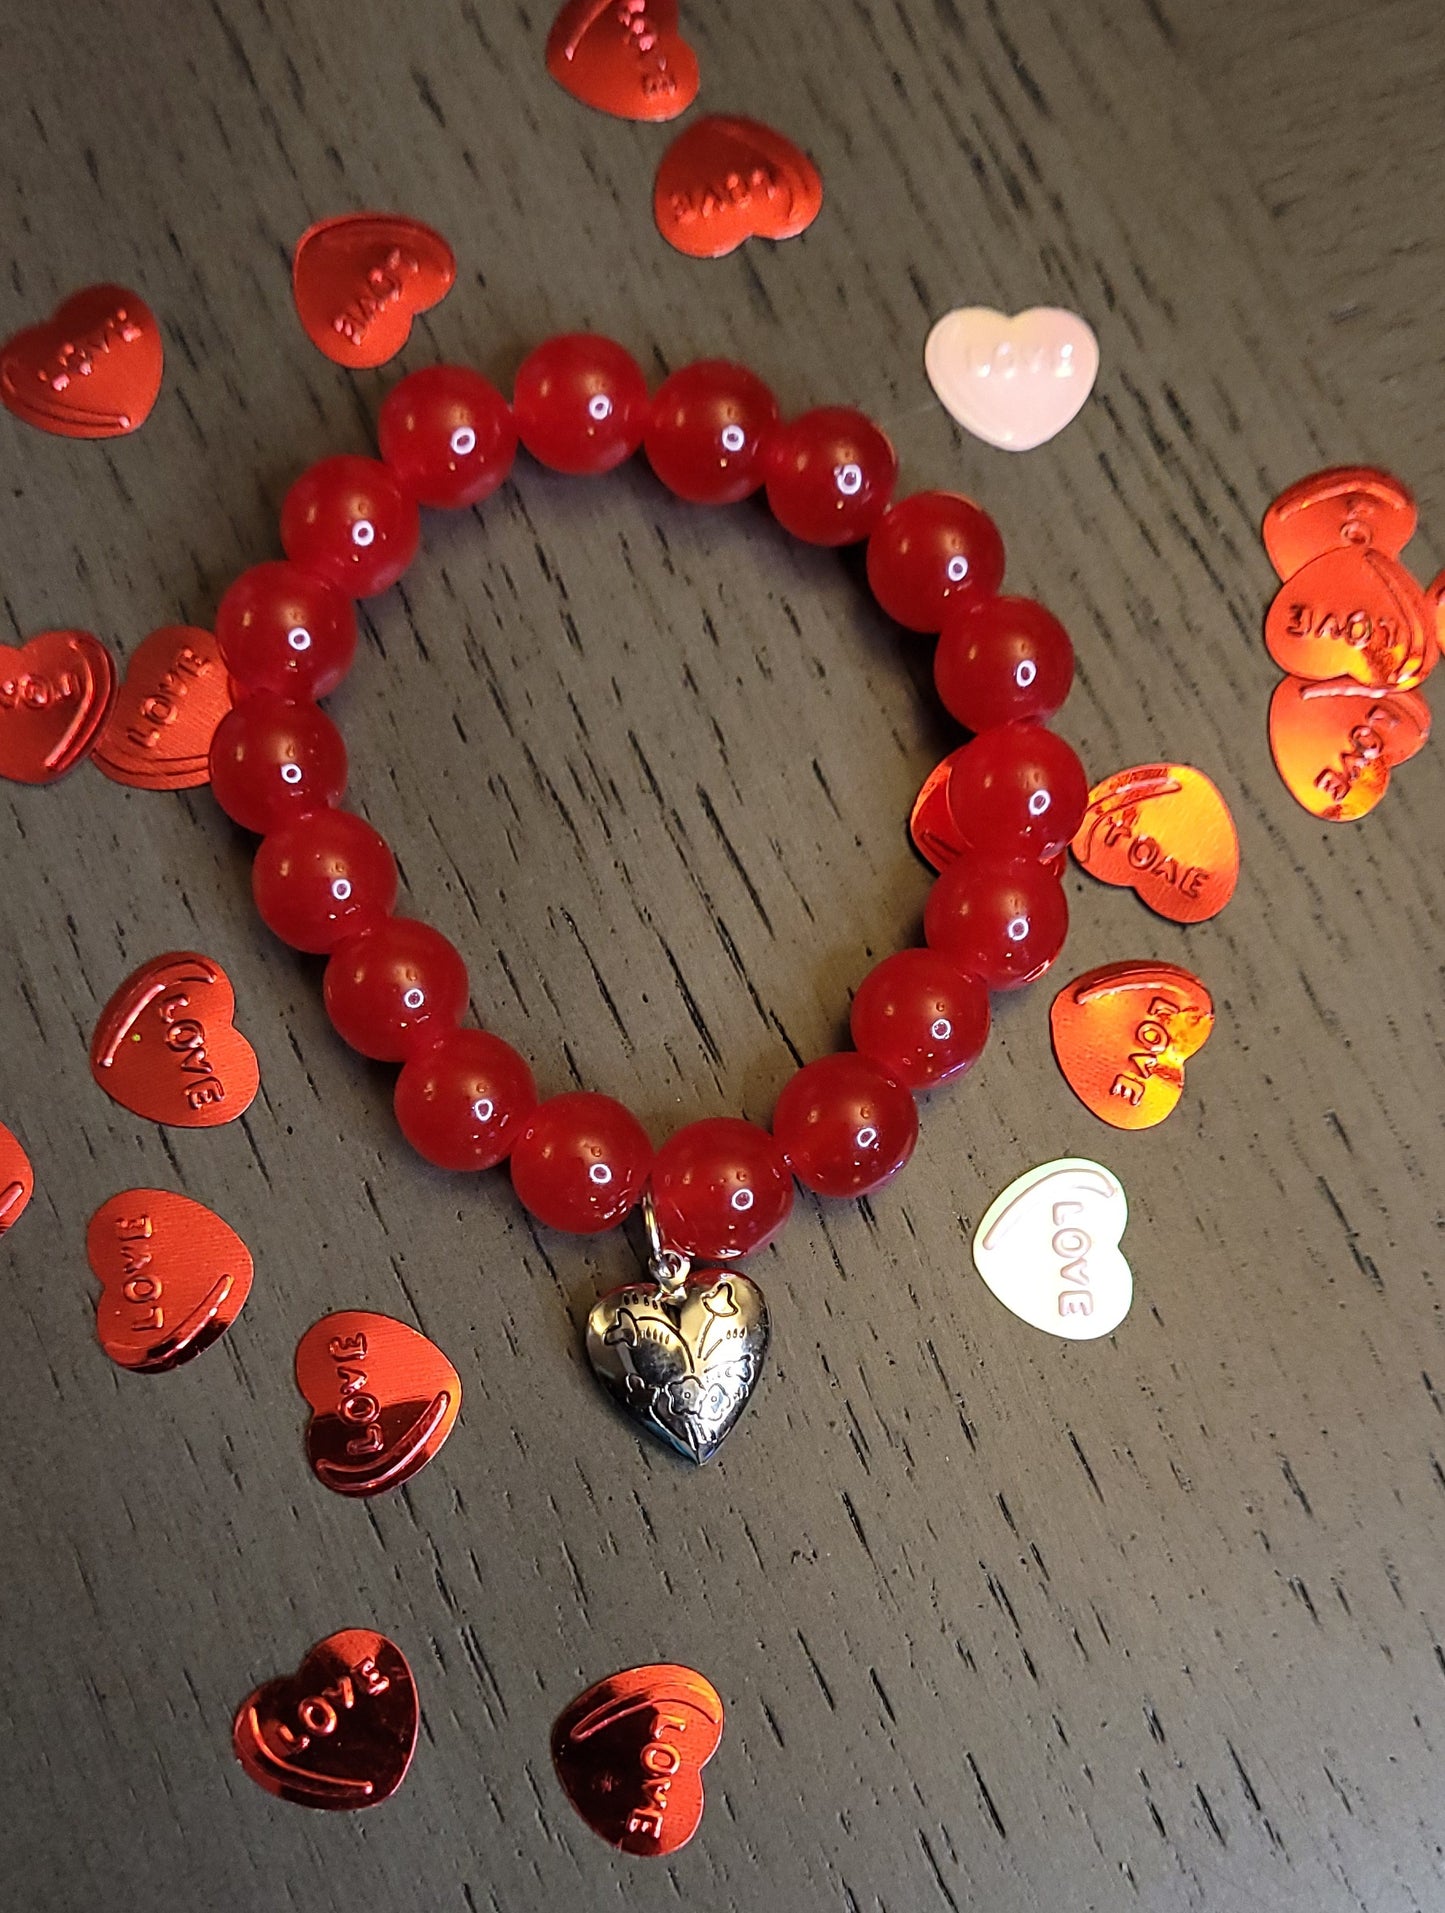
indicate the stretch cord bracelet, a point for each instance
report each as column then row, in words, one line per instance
column 681, row 1350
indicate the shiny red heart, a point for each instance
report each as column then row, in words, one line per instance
column 17, row 1180
column 55, row 694
column 167, row 1047
column 630, row 1753
column 725, row 180
column 1336, row 742
column 359, row 281
column 173, row 1278
column 1346, row 505
column 175, row 693
column 91, row 370
column 624, row 57
column 1354, row 613
column 337, row 1734
column 383, row 1400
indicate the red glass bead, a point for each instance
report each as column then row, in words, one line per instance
column 348, row 520
column 392, row 990
column 273, row 759
column 323, row 878
column 463, row 1100
column 932, row 552
column 1000, row 919
column 448, row 435
column 280, row 628
column 707, row 431
column 1018, row 791
column 581, row 1162
column 720, row 1188
column 830, row 475
column 1003, row 660
column 920, row 1018
column 580, row 403
column 844, row 1126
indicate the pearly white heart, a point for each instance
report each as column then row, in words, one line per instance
column 1048, row 1247
column 1013, row 382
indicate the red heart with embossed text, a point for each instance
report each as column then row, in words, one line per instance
column 340, row 1732
column 359, row 281
column 725, row 180
column 625, row 57
column 383, row 1400
column 91, row 370
column 1353, row 613
column 55, row 694
column 175, row 693
column 173, row 1278
column 1336, row 742
column 17, row 1180
column 167, row 1047
column 630, row 1753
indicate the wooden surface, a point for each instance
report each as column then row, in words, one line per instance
column 999, row 1623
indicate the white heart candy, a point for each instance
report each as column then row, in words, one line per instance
column 1014, row 383
column 1048, row 1247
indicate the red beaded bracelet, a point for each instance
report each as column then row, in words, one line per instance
column 682, row 1350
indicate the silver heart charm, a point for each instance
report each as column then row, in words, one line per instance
column 682, row 1359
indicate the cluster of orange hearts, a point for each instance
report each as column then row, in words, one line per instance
column 1357, row 634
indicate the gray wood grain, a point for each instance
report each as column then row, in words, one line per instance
column 999, row 1623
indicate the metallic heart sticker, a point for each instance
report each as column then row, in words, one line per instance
column 383, row 1400
column 173, row 1278
column 624, row 57
column 175, row 693
column 1351, row 505
column 91, row 370
column 1122, row 1035
column 1164, row 831
column 337, row 1734
column 1048, row 1247
column 167, row 1047
column 55, row 694
column 630, row 1753
column 359, row 280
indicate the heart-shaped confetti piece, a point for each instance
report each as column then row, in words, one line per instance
column 1048, row 1247
column 167, row 1047
column 1013, row 382
column 1123, row 1033
column 175, row 693
column 630, row 1753
column 173, row 1278
column 91, row 370
column 625, row 57
column 1348, row 505
column 1356, row 614
column 55, row 694
column 383, row 1400
column 1164, row 831
column 359, row 281
column 17, row 1180
column 340, row 1732
column 1335, row 743
column 724, row 180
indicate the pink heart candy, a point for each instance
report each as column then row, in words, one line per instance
column 1013, row 382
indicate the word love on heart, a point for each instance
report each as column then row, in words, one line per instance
column 1164, row 831
column 727, row 179
column 55, row 695
column 167, row 1047
column 175, row 693
column 173, row 1278
column 337, row 1734
column 624, row 57
column 383, row 1400
column 630, row 1753
column 359, row 280
column 91, row 370
column 1013, row 382
column 1048, row 1247
column 1123, row 1033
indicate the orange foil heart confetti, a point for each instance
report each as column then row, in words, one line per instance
column 930, row 822
column 624, row 57
column 360, row 280
column 91, row 370
column 1353, row 613
column 17, row 1180
column 167, row 1047
column 725, row 180
column 630, row 1753
column 175, row 694
column 173, row 1278
column 1123, row 1034
column 1348, row 505
column 337, row 1734
column 55, row 694
column 1335, row 743
column 1164, row 831
column 383, row 1400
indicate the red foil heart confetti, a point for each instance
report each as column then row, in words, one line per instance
column 1164, row 831
column 383, row 1400
column 359, row 280
column 17, row 1180
column 1351, row 505
column 167, row 1047
column 173, row 1278
column 175, row 693
column 91, row 370
column 625, row 57
column 55, row 695
column 1122, row 1035
column 1355, row 614
column 630, row 1753
column 725, row 180
column 1335, row 743
column 337, row 1734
